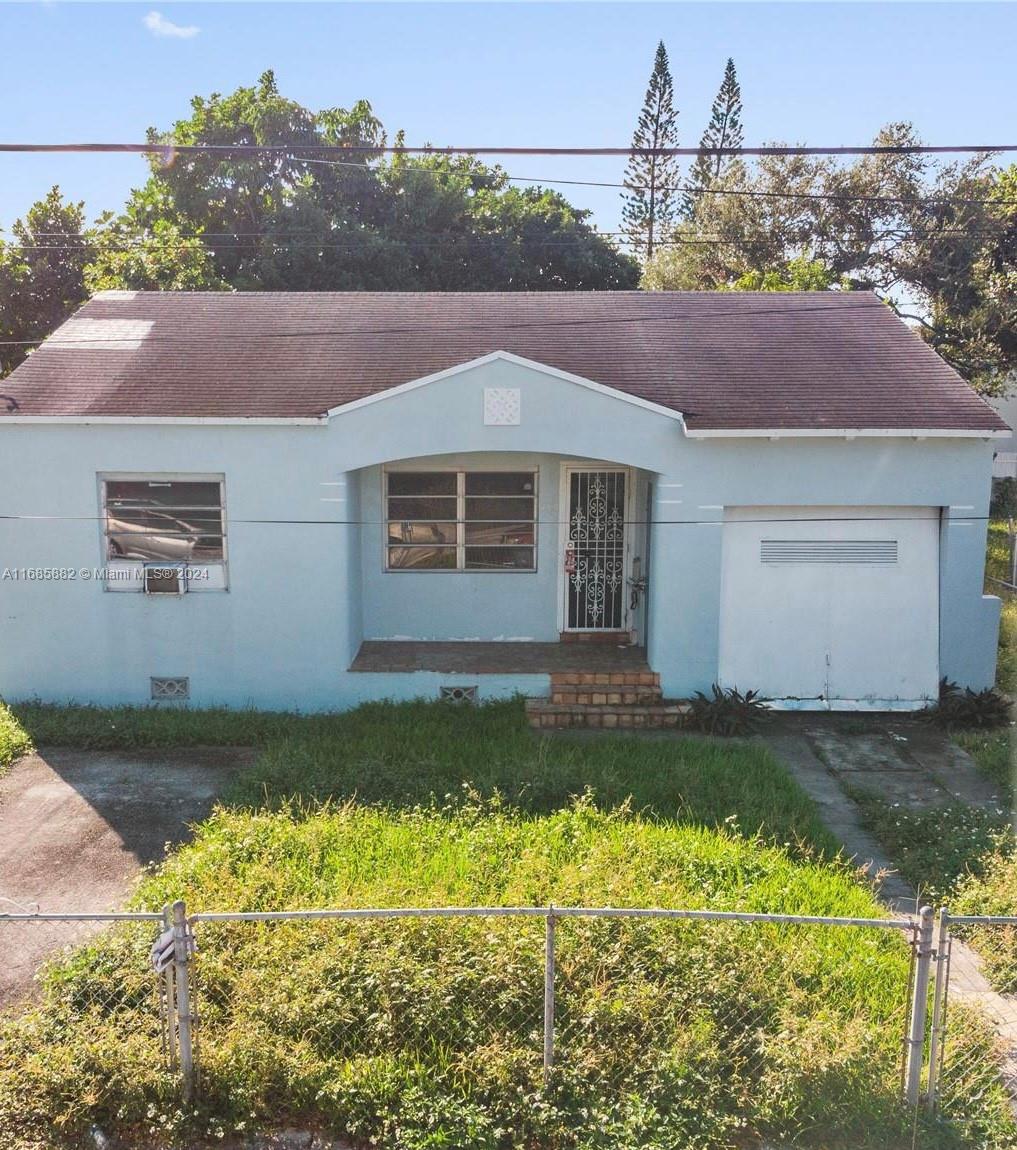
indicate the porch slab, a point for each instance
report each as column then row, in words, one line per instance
column 465, row 658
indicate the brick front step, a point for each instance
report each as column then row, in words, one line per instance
column 590, row 679
column 612, row 638
column 605, row 696
column 548, row 715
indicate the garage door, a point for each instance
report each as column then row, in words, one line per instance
column 831, row 604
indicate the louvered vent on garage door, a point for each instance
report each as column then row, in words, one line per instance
column 795, row 551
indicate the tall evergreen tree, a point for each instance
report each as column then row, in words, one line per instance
column 723, row 131
column 651, row 196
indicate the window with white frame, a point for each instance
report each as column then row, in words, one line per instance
column 461, row 520
column 169, row 521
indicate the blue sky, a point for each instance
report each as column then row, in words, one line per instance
column 555, row 74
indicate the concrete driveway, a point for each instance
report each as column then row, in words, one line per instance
column 77, row 827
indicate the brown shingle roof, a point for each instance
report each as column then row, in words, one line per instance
column 750, row 360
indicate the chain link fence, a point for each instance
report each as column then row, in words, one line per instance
column 973, row 1040
column 623, row 1019
column 632, row 1021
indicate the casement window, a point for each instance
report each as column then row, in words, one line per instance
column 153, row 524
column 461, row 520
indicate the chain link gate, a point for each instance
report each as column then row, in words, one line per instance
column 973, row 1033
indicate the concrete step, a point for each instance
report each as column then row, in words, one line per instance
column 548, row 715
column 591, row 679
column 605, row 696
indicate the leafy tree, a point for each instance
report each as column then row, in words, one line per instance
column 163, row 259
column 723, row 131
column 305, row 221
column 800, row 274
column 41, row 274
column 939, row 244
column 650, row 203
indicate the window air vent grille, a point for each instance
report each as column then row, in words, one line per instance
column 854, row 551
column 458, row 694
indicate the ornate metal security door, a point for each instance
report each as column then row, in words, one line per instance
column 595, row 551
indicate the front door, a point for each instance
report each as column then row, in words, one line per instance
column 595, row 549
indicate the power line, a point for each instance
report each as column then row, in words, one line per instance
column 226, row 244
column 170, row 149
column 218, row 336
column 677, row 188
column 231, row 522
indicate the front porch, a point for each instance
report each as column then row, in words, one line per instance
column 395, row 656
column 569, row 684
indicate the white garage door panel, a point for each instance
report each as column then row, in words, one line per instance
column 831, row 603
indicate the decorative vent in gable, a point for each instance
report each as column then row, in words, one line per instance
column 502, row 406
column 854, row 551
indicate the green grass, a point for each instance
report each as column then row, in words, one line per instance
column 14, row 739
column 993, row 754
column 997, row 551
column 417, row 1035
column 138, row 728
column 1006, row 666
column 404, row 754
column 424, row 1034
column 993, row 890
column 935, row 848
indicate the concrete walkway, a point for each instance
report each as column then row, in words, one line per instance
column 919, row 767
column 76, row 829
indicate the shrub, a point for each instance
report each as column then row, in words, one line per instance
column 962, row 707
column 14, row 739
column 727, row 711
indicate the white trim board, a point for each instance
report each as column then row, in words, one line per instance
column 172, row 420
column 842, row 433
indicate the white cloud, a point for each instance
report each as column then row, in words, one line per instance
column 158, row 25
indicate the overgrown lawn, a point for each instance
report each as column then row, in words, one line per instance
column 425, row 1033
column 419, row 1034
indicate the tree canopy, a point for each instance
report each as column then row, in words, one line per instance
column 304, row 221
column 41, row 274
column 938, row 243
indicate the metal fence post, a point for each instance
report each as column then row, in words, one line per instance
column 182, row 982
column 939, row 1009
column 919, row 1008
column 167, row 1001
column 549, row 926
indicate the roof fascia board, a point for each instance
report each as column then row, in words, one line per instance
column 172, row 420
column 845, row 433
column 519, row 361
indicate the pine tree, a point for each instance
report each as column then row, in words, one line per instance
column 650, row 200
column 723, row 131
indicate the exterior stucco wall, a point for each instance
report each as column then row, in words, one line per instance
column 303, row 594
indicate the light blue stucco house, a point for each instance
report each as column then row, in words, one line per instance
column 306, row 501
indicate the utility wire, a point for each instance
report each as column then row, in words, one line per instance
column 231, row 522
column 253, row 244
column 685, row 186
column 170, row 149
